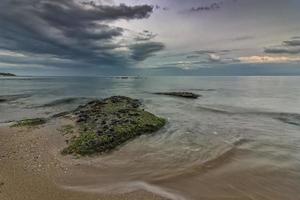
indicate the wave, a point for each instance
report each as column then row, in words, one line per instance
column 200, row 166
column 288, row 118
column 214, row 110
column 153, row 185
column 202, row 90
column 64, row 101
column 128, row 187
column 9, row 98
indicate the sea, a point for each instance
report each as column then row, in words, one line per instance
column 239, row 140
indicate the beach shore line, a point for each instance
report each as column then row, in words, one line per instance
column 30, row 168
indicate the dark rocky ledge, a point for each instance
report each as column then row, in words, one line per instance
column 189, row 95
column 105, row 124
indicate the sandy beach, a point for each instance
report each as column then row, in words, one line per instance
column 29, row 168
column 32, row 168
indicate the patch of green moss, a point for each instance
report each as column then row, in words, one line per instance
column 67, row 129
column 89, row 143
column 144, row 123
column 30, row 122
column 110, row 123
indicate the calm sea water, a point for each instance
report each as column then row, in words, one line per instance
column 250, row 126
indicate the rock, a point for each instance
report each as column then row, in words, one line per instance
column 189, row 95
column 7, row 74
column 110, row 123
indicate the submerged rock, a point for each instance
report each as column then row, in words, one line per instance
column 30, row 122
column 65, row 101
column 106, row 124
column 189, row 95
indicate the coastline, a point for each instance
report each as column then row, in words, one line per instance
column 30, row 169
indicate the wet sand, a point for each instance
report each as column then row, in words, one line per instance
column 29, row 169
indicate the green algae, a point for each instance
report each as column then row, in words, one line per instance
column 104, row 125
column 67, row 129
column 30, row 122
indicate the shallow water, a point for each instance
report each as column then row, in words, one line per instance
column 241, row 140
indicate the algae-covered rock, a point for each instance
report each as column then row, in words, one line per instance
column 106, row 124
column 189, row 95
column 30, row 122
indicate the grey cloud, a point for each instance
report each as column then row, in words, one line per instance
column 296, row 37
column 141, row 51
column 210, row 7
column 201, row 58
column 145, row 36
column 293, row 42
column 242, row 38
column 291, row 46
column 158, row 7
column 281, row 50
column 69, row 30
column 201, row 53
column 61, row 13
column 212, row 51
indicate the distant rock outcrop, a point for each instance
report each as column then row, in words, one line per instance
column 189, row 95
column 7, row 74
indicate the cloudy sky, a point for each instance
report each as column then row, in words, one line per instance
column 150, row 37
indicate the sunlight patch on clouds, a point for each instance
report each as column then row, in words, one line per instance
column 268, row 59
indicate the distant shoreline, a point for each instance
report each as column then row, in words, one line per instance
column 6, row 74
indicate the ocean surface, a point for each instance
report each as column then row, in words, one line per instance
column 239, row 140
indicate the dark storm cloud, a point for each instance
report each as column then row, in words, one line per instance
column 62, row 12
column 141, row 51
column 67, row 29
column 291, row 46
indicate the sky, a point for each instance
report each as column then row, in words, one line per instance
column 150, row 37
